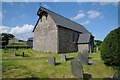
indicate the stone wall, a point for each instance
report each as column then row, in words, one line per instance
column 57, row 39
column 83, row 47
column 45, row 35
column 67, row 40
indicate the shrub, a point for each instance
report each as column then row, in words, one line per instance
column 110, row 48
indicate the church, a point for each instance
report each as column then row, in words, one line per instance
column 57, row 34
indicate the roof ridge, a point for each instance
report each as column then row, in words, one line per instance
column 65, row 18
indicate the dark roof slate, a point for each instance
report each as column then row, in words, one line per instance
column 64, row 22
column 67, row 23
column 84, row 38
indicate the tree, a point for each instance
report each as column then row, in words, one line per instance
column 110, row 48
column 5, row 38
column 97, row 44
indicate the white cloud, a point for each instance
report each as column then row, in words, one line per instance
column 86, row 22
column 4, row 29
column 24, row 29
column 21, row 32
column 79, row 15
column 93, row 14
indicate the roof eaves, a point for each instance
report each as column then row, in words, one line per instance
column 69, row 28
column 36, row 25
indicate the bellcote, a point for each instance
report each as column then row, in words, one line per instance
column 42, row 13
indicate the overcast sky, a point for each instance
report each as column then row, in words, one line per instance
column 19, row 18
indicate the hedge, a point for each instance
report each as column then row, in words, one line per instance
column 110, row 48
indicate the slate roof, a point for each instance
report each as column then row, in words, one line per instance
column 67, row 23
column 64, row 22
column 84, row 38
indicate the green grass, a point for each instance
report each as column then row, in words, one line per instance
column 17, row 44
column 35, row 65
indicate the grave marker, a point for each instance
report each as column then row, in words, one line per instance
column 82, row 58
column 13, row 53
column 63, row 57
column 76, row 68
column 51, row 60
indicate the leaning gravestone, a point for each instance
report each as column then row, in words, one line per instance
column 117, row 75
column 63, row 57
column 76, row 68
column 51, row 60
column 82, row 58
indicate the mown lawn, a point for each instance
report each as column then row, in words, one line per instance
column 35, row 65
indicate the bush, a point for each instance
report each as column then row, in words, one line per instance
column 110, row 48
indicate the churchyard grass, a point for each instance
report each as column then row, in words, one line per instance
column 35, row 65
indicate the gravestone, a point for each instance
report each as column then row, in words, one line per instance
column 83, row 59
column 63, row 57
column 51, row 60
column 76, row 68
column 23, row 54
column 85, row 53
column 13, row 53
column 117, row 75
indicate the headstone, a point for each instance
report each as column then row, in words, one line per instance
column 13, row 53
column 76, row 68
column 83, row 59
column 117, row 75
column 63, row 57
column 85, row 53
column 23, row 54
column 51, row 60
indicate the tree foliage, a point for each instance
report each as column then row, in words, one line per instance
column 97, row 44
column 5, row 38
column 110, row 48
